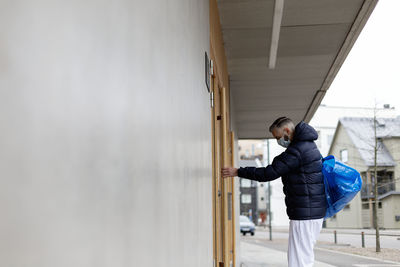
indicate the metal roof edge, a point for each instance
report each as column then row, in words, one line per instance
column 355, row 30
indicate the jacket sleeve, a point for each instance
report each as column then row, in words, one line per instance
column 283, row 164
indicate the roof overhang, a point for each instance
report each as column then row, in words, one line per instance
column 314, row 39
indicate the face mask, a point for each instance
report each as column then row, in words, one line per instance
column 283, row 142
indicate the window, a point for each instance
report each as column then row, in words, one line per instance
column 386, row 183
column 347, row 207
column 246, row 182
column 344, row 155
column 262, row 199
column 246, row 199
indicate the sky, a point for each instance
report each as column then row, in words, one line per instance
column 371, row 71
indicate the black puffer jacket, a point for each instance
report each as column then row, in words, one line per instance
column 300, row 167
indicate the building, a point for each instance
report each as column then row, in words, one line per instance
column 326, row 119
column 265, row 150
column 251, row 154
column 117, row 116
column 249, row 194
column 353, row 144
column 251, row 149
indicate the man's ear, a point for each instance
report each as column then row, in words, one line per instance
column 287, row 131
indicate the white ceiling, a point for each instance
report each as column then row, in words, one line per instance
column 315, row 37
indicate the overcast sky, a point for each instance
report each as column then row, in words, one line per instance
column 372, row 69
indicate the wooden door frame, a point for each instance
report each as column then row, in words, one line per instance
column 217, row 250
column 224, row 250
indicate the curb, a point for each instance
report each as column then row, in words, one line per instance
column 360, row 256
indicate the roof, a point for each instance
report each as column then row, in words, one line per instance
column 361, row 133
column 327, row 116
column 314, row 39
column 388, row 127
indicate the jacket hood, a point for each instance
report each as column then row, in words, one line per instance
column 304, row 132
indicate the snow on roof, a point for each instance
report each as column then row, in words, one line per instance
column 361, row 132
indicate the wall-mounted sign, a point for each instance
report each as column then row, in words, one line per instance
column 207, row 71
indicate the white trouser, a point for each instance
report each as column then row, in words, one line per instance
column 303, row 235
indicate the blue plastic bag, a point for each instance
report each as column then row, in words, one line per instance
column 342, row 183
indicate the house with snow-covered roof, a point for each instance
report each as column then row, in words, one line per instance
column 353, row 144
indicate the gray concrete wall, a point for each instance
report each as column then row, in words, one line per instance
column 105, row 134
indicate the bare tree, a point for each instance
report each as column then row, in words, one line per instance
column 375, row 211
column 373, row 147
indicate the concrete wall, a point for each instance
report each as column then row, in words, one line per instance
column 391, row 208
column 105, row 134
column 367, row 218
column 352, row 217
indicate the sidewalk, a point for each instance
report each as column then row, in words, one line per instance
column 390, row 232
column 259, row 256
column 256, row 252
column 349, row 242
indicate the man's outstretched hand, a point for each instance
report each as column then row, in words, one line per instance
column 229, row 172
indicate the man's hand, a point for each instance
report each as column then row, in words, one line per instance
column 229, row 172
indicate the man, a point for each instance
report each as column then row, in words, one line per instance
column 300, row 167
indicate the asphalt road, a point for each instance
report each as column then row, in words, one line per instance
column 321, row 254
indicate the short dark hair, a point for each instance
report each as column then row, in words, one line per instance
column 279, row 122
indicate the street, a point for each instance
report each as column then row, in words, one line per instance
column 258, row 251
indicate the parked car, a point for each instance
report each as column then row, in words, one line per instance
column 246, row 226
